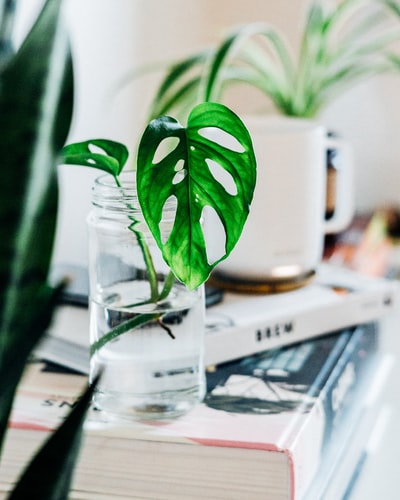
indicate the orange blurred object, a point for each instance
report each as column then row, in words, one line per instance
column 365, row 246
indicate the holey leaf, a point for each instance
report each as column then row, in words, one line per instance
column 106, row 155
column 214, row 142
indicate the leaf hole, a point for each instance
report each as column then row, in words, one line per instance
column 179, row 176
column 166, row 146
column 179, row 165
column 223, row 138
column 214, row 234
column 93, row 148
column 223, row 177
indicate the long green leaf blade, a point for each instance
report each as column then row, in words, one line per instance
column 35, row 113
column 182, row 78
column 49, row 474
column 7, row 19
column 230, row 47
column 18, row 352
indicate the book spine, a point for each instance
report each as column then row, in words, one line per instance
column 336, row 400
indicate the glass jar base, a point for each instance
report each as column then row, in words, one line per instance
column 160, row 406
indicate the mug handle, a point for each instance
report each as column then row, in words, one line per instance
column 343, row 188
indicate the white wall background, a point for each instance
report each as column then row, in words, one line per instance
column 110, row 38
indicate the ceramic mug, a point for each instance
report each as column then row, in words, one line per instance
column 282, row 241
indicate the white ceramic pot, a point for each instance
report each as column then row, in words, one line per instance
column 283, row 238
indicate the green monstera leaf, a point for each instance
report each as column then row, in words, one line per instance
column 215, row 145
column 106, row 155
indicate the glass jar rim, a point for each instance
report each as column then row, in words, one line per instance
column 127, row 179
column 106, row 193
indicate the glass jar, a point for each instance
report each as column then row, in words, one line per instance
column 146, row 328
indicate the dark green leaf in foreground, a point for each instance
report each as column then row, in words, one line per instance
column 36, row 85
column 50, row 472
column 17, row 353
column 189, row 172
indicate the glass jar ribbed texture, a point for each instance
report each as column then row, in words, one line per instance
column 146, row 328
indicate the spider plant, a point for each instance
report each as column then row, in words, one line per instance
column 341, row 44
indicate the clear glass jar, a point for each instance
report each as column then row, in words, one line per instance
column 146, row 328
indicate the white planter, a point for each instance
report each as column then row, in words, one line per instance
column 282, row 242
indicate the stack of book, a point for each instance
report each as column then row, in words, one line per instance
column 274, row 426
column 294, row 383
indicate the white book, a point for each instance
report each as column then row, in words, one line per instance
column 244, row 324
column 337, row 298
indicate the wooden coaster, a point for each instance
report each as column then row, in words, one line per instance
column 230, row 284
